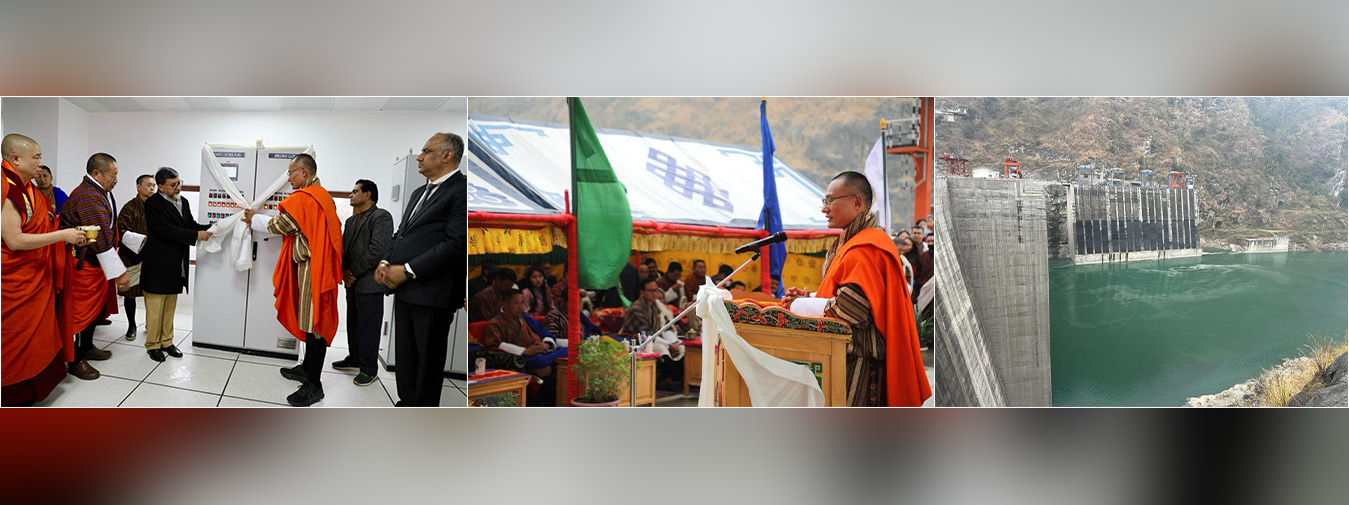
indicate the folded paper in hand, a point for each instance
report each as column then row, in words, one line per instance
column 133, row 241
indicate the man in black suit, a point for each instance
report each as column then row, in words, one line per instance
column 171, row 231
column 365, row 240
column 427, row 270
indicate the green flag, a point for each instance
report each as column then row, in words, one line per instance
column 600, row 204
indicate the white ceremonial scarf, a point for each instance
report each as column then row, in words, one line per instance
column 772, row 381
column 240, row 247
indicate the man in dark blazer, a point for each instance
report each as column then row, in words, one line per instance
column 365, row 240
column 171, row 231
column 427, row 270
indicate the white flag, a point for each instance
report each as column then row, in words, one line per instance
column 875, row 172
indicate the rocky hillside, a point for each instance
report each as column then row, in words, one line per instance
column 819, row 137
column 1261, row 163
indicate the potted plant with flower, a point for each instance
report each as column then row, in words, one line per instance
column 602, row 369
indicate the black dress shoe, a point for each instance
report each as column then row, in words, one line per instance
column 307, row 395
column 156, row 354
column 295, row 373
column 346, row 364
column 172, row 350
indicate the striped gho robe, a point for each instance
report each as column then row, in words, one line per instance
column 506, row 329
column 132, row 219
column 866, row 351
column 556, row 322
column 284, row 224
column 642, row 316
column 93, row 296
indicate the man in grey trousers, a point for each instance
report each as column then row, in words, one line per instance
column 365, row 238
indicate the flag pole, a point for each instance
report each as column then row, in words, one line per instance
column 573, row 287
column 885, row 183
column 766, row 267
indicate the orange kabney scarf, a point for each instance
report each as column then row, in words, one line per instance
column 864, row 255
column 313, row 210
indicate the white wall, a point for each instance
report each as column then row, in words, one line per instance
column 72, row 148
column 36, row 118
column 349, row 145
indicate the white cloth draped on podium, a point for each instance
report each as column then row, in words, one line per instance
column 772, row 381
column 240, row 248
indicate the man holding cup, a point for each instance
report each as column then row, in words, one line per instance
column 93, row 297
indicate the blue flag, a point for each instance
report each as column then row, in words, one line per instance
column 770, row 218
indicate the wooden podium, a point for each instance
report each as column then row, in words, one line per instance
column 819, row 343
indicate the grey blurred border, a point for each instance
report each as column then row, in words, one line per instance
column 689, row 48
column 784, row 457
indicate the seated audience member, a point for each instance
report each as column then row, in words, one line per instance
column 652, row 271
column 487, row 303
column 670, row 284
column 538, row 300
column 513, row 332
column 647, row 315
column 556, row 322
column 696, row 279
column 627, row 279
column 484, row 278
column 723, row 272
column 546, row 267
column 610, row 298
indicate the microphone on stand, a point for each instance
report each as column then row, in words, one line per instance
column 776, row 238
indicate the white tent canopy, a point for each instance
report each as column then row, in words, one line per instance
column 668, row 179
column 487, row 192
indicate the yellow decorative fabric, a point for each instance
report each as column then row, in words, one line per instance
column 664, row 242
column 799, row 271
column 515, row 241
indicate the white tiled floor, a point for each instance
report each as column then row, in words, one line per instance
column 212, row 378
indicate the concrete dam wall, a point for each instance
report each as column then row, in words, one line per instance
column 993, row 298
column 1128, row 223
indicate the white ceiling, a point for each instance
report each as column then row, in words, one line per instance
column 270, row 103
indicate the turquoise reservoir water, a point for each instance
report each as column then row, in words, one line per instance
column 1153, row 333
